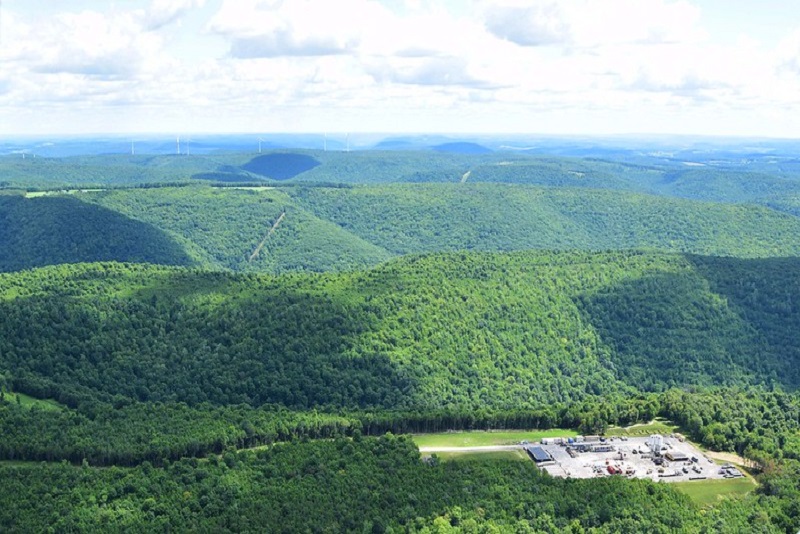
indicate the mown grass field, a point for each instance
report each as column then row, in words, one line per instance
column 484, row 438
column 472, row 456
column 707, row 492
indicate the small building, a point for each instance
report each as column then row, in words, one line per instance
column 676, row 456
column 538, row 454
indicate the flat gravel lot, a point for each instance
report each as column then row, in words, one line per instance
column 633, row 465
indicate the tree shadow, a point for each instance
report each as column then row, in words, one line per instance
column 764, row 292
column 677, row 329
column 202, row 337
column 60, row 229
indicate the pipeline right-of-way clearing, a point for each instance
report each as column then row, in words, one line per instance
column 255, row 253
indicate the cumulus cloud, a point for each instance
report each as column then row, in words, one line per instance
column 536, row 25
column 92, row 44
column 380, row 60
column 587, row 23
column 444, row 71
column 161, row 13
column 614, row 22
column 787, row 54
column 284, row 42
column 290, row 28
column 691, row 86
column 114, row 44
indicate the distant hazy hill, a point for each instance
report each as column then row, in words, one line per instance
column 726, row 181
column 51, row 230
column 469, row 330
column 462, row 148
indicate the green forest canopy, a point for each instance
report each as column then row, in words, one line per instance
column 345, row 228
column 470, row 330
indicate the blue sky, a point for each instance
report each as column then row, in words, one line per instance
column 710, row 67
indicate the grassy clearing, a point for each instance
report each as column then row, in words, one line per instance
column 20, row 463
column 30, row 402
column 247, row 187
column 473, row 456
column 657, row 426
column 706, row 492
column 484, row 438
column 38, row 194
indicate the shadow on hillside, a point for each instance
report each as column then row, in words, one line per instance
column 765, row 292
column 670, row 329
column 204, row 337
column 281, row 166
column 60, row 229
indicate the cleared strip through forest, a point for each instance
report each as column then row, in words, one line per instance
column 255, row 253
column 465, row 176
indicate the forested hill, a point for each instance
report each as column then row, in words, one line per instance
column 436, row 217
column 726, row 180
column 320, row 229
column 53, row 230
column 445, row 330
column 233, row 229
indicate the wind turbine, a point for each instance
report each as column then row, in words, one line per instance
column 348, row 142
column 178, row 145
column 325, row 143
column 259, row 145
column 133, row 152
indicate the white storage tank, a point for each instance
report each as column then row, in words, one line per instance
column 656, row 442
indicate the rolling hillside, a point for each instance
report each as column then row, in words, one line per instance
column 344, row 228
column 720, row 181
column 221, row 228
column 437, row 217
column 452, row 330
column 52, row 230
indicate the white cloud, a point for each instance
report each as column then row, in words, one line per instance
column 385, row 64
column 444, row 71
column 613, row 22
column 161, row 13
column 787, row 54
column 290, row 28
column 283, row 42
column 530, row 25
